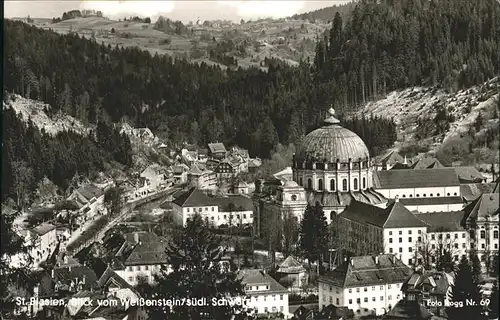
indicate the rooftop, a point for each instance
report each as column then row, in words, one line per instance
column 410, row 310
column 291, row 265
column 484, row 207
column 469, row 174
column 442, row 221
column 217, row 147
column 430, row 201
column 342, row 199
column 366, row 270
column 90, row 191
column 427, row 162
column 238, row 202
column 472, row 191
column 193, row 198
column 396, row 215
column 43, row 228
column 416, row 178
column 256, row 277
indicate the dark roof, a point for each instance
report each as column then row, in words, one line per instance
column 66, row 275
column 410, row 310
column 333, row 312
column 398, row 179
column 438, row 282
column 90, row 191
column 427, row 163
column 473, row 190
column 466, row 174
column 257, row 276
column 444, row 221
column 148, row 253
column 291, row 265
column 193, row 198
column 111, row 277
column 400, row 166
column 237, row 200
column 342, row 199
column 392, row 157
column 43, row 228
column 430, row 201
column 142, row 236
column 485, row 206
column 364, row 271
column 395, row 215
column 216, row 147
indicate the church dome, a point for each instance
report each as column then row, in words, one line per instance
column 332, row 143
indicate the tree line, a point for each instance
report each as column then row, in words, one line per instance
column 30, row 154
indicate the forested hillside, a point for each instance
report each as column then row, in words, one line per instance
column 381, row 47
column 326, row 14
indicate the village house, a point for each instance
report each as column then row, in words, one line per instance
column 241, row 188
column 42, row 240
column 202, row 178
column 141, row 255
column 388, row 161
column 89, row 198
column 266, row 295
column 427, row 162
column 364, row 284
column 217, row 150
column 155, row 176
column 225, row 169
column 180, row 173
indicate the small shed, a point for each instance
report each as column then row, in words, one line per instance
column 293, row 272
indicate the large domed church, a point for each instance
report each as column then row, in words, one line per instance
column 333, row 165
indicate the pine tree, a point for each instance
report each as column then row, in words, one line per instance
column 475, row 266
column 464, row 289
column 313, row 234
column 195, row 257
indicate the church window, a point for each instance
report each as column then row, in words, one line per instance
column 364, row 183
column 344, row 184
column 332, row 185
column 437, row 195
column 332, row 215
column 294, row 197
column 300, row 182
column 495, row 234
column 309, row 183
column 320, row 184
column 355, row 183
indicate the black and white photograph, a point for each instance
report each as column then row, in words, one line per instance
column 250, row 160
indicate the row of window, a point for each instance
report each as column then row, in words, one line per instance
column 401, row 232
column 333, row 184
column 409, row 239
column 274, row 309
column 358, row 300
column 200, row 209
column 365, row 289
column 448, row 236
column 425, row 195
column 264, row 298
column 143, row 268
column 235, row 216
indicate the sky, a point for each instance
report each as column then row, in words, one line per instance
column 176, row 10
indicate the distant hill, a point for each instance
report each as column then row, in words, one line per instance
column 326, row 14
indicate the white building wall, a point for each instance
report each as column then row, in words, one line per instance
column 373, row 297
column 402, row 242
column 268, row 302
column 451, row 191
column 436, row 207
column 131, row 274
column 456, row 241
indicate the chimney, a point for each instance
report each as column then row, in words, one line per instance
column 136, row 237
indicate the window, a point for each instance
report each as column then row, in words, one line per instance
column 358, row 300
column 138, row 268
column 410, row 249
column 400, row 232
column 419, row 239
column 373, row 299
column 355, row 183
column 400, row 250
column 381, row 288
column 496, row 246
column 225, row 216
column 274, row 297
column 350, row 290
column 344, row 184
column 320, row 184
column 456, row 245
column 365, row 289
column 495, row 234
column 409, row 239
column 463, row 235
column 390, row 240
column 388, row 286
column 300, row 182
column 373, row 288
column 146, row 268
column 332, row 184
column 265, row 308
column 331, row 289
column 381, row 298
column 130, row 279
column 350, row 301
column 424, row 195
column 390, row 233
column 265, row 299
column 410, row 261
column 309, row 183
column 281, row 308
column 213, row 209
column 482, row 246
column 463, row 245
column 483, row 234
column 366, row 299
column 433, row 237
column 409, row 231
column 337, row 301
column 281, row 297
column 389, row 298
column 431, row 195
column 364, row 183
column 357, row 289
column 390, row 250
column 448, row 236
column 456, row 257
column 400, row 240
column 187, row 210
column 417, row 195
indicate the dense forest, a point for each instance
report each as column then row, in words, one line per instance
column 377, row 48
column 326, row 14
column 29, row 155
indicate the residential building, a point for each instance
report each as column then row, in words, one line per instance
column 368, row 229
column 155, row 176
column 333, row 312
column 427, row 162
column 241, row 188
column 407, row 309
column 430, row 289
column 265, row 294
column 142, row 255
column 469, row 175
column 43, row 239
column 217, row 211
column 225, row 169
column 202, row 178
column 481, row 222
column 180, row 173
column 217, row 150
column 389, row 160
column 365, row 282
column 471, row 191
column 88, row 197
column 425, row 190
